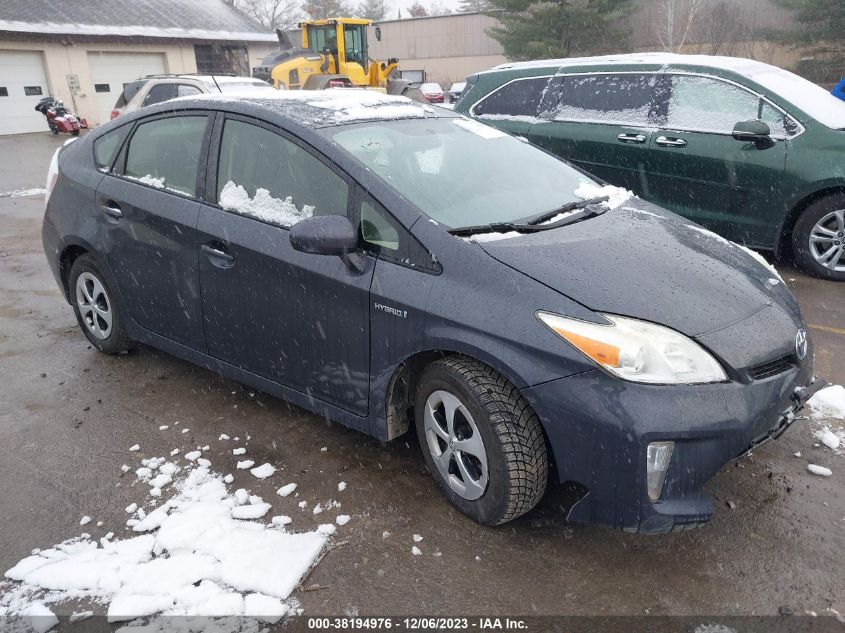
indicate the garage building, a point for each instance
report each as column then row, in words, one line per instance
column 83, row 52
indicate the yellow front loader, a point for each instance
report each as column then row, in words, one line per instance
column 333, row 54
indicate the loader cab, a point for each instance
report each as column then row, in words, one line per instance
column 344, row 42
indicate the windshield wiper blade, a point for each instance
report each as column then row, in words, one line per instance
column 496, row 227
column 572, row 206
column 506, row 227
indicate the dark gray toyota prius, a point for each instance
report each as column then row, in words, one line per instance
column 386, row 264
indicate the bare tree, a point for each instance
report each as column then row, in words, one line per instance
column 417, row 10
column 271, row 13
column 675, row 20
column 438, row 8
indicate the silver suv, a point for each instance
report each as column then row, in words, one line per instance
column 158, row 88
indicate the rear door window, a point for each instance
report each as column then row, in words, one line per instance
column 264, row 175
column 623, row 99
column 520, row 97
column 165, row 153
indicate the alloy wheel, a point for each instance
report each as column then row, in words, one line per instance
column 827, row 241
column 456, row 445
column 94, row 305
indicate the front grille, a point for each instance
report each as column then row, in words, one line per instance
column 772, row 368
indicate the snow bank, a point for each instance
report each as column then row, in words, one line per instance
column 263, row 206
column 829, row 402
column 203, row 556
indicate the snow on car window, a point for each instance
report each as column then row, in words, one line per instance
column 263, row 206
column 700, row 103
column 622, row 98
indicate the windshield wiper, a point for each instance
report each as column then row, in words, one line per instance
column 533, row 224
column 572, row 206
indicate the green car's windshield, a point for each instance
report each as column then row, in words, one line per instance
column 461, row 172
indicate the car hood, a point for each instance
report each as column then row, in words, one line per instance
column 644, row 262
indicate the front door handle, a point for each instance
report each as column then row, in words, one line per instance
column 665, row 141
column 112, row 208
column 216, row 252
column 631, row 138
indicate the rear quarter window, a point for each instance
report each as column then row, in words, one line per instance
column 107, row 146
column 520, row 97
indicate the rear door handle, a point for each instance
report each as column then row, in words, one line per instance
column 110, row 207
column 216, row 252
column 631, row 138
column 665, row 141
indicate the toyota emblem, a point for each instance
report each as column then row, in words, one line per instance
column 801, row 343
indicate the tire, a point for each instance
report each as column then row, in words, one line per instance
column 414, row 94
column 96, row 308
column 74, row 133
column 825, row 219
column 512, row 440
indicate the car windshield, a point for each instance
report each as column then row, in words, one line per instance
column 460, row 172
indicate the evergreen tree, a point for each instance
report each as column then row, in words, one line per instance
column 821, row 24
column 318, row 9
column 563, row 28
column 372, row 10
column 473, row 6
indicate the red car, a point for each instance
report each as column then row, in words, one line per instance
column 432, row 92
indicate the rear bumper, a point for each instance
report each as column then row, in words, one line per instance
column 599, row 429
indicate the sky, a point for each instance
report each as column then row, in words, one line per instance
column 404, row 4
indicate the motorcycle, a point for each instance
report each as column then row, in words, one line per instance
column 59, row 118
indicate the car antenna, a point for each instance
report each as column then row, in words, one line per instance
column 216, row 84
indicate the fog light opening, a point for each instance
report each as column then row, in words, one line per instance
column 658, row 456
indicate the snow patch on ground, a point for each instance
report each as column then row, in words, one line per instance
column 821, row 471
column 263, row 206
column 203, row 555
column 23, row 193
column 827, row 408
column 263, row 471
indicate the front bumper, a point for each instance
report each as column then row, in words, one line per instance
column 599, row 428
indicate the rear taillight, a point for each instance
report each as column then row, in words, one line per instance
column 115, row 114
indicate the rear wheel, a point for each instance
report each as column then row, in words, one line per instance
column 481, row 440
column 818, row 239
column 96, row 308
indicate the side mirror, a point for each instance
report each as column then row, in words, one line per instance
column 324, row 235
column 753, row 131
column 377, row 29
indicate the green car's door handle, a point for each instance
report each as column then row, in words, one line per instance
column 664, row 141
column 631, row 138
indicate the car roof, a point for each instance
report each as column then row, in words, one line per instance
column 318, row 108
column 747, row 67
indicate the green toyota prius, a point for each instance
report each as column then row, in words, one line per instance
column 748, row 150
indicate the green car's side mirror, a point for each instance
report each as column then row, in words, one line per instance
column 754, row 131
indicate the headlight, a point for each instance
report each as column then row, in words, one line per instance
column 638, row 351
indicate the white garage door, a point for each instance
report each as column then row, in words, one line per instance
column 109, row 71
column 23, row 83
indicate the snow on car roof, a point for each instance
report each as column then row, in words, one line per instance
column 805, row 95
column 336, row 106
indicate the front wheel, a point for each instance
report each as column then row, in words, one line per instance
column 481, row 440
column 818, row 239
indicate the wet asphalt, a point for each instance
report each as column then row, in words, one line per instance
column 68, row 416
